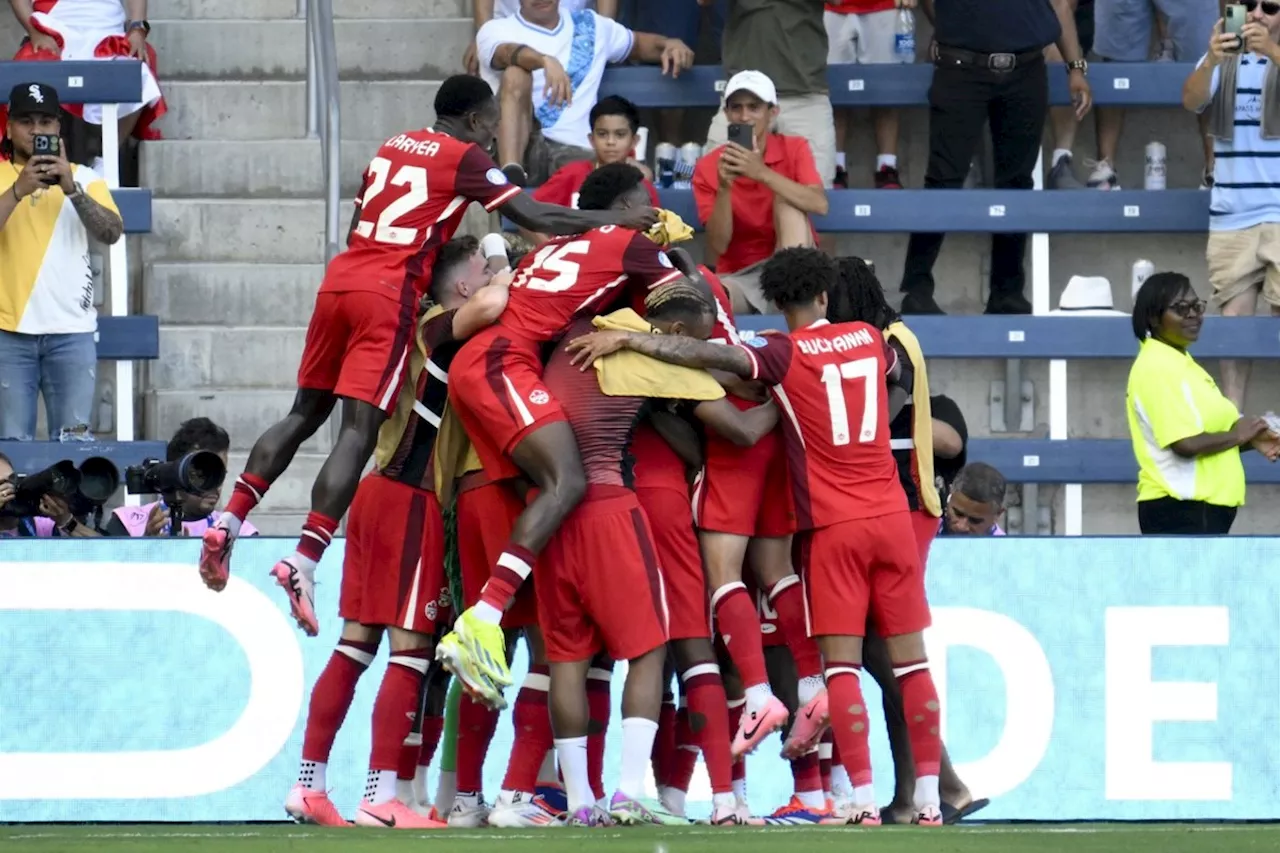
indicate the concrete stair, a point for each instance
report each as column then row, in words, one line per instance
column 236, row 254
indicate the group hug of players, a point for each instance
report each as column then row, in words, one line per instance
column 560, row 409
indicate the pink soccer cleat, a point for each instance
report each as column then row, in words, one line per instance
column 307, row 806
column 215, row 557
column 812, row 721
column 394, row 814
column 928, row 816
column 851, row 815
column 300, row 585
column 756, row 725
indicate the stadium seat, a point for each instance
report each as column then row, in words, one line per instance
column 31, row 456
column 78, row 82
column 130, row 338
column 135, row 209
column 1082, row 460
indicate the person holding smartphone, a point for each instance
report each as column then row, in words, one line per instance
column 49, row 208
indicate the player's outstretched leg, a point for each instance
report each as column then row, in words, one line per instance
column 703, row 691
column 271, row 455
column 331, row 496
column 571, row 722
column 641, row 703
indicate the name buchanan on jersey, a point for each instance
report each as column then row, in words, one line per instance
column 847, row 341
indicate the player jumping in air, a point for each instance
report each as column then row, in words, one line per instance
column 415, row 193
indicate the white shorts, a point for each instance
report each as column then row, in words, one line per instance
column 860, row 39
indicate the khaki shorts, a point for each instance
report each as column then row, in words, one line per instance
column 544, row 157
column 860, row 39
column 1240, row 261
column 746, row 282
column 806, row 116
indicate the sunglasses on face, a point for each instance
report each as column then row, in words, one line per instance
column 1269, row 7
column 1190, row 307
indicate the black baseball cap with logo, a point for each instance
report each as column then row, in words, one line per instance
column 29, row 99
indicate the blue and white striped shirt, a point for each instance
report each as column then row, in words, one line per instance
column 1246, row 172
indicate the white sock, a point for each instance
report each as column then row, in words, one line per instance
column 740, row 790
column 420, row 785
column 486, row 612
column 811, row 799
column 840, row 159
column 547, row 772
column 404, row 790
column 311, row 775
column 305, row 565
column 674, row 800
column 229, row 523
column 890, row 160
column 724, row 801
column 758, row 695
column 841, row 785
column 381, row 787
column 927, row 792
column 571, row 752
column 637, row 748
column 809, row 687
column 864, row 795
column 1058, row 154
column 446, row 790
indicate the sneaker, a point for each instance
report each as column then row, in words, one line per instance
column 452, row 657
column 628, row 812
column 757, row 725
column 522, row 810
column 307, row 806
column 1206, row 179
column 1010, row 303
column 300, row 585
column 841, row 180
column 887, row 178
column 663, row 815
column 1063, row 177
column 468, row 812
column 1103, row 176
column 928, row 816
column 851, row 815
column 796, row 813
column 393, row 814
column 920, row 303
column 588, row 816
column 812, row 721
column 215, row 557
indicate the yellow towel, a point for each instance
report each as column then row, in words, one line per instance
column 921, row 417
column 630, row 374
column 452, row 456
column 669, row 229
column 392, row 430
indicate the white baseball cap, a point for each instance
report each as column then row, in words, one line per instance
column 755, row 82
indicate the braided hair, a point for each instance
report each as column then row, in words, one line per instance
column 678, row 299
column 858, row 296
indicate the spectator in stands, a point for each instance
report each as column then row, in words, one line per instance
column 975, row 502
column 863, row 32
column 86, row 30
column 54, row 518
column 546, row 64
column 787, row 40
column 1063, row 120
column 1186, row 435
column 1244, row 222
column 687, row 21
column 49, row 209
column 197, row 511
column 484, row 11
column 989, row 64
column 753, row 202
column 1124, row 35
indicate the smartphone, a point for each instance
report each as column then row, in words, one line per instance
column 743, row 135
column 47, row 144
column 1234, row 22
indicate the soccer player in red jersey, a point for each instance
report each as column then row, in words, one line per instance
column 515, row 423
column 858, row 554
column 393, row 571
column 415, row 193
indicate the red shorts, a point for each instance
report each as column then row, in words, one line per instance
column 393, row 571
column 745, row 490
column 485, row 515
column 670, row 519
column 770, row 630
column 358, row 347
column 495, row 386
column 864, row 568
column 598, row 582
column 926, row 528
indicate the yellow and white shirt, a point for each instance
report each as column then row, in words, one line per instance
column 46, row 284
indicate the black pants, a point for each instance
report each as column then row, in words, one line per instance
column 1172, row 517
column 962, row 99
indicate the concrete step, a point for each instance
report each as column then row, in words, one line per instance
column 277, row 109
column 231, row 294
column 292, row 492
column 238, row 231
column 267, row 168
column 214, row 10
column 197, row 357
column 374, row 48
column 243, row 414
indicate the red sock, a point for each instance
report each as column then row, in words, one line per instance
column 849, row 721
column 825, row 752
column 805, row 772
column 787, row 599
column 514, row 566
column 599, row 700
column 396, row 706
column 332, row 695
column 432, row 729
column 685, row 756
column 476, row 725
column 920, row 706
column 736, row 709
column 708, row 717
column 248, row 491
column 317, row 533
column 664, row 745
column 409, row 752
column 532, row 721
column 739, row 626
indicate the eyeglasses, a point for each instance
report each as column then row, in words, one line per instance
column 1269, row 7
column 1191, row 307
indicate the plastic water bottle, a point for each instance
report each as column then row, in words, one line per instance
column 665, row 158
column 1142, row 270
column 1155, row 174
column 904, row 37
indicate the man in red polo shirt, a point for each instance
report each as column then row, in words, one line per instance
column 755, row 201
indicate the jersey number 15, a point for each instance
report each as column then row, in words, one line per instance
column 833, row 376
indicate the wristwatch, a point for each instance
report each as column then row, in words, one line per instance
column 1078, row 65
column 130, row 26
column 70, row 527
column 78, row 191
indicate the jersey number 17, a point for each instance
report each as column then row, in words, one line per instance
column 865, row 370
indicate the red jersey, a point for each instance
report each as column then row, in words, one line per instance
column 829, row 382
column 412, row 200
column 571, row 276
column 859, row 7
column 724, row 331
column 563, row 187
column 656, row 464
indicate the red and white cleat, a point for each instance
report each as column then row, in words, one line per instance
column 307, row 806
column 300, row 585
column 811, row 723
column 928, row 816
column 394, row 814
column 215, row 557
column 756, row 725
column 851, row 815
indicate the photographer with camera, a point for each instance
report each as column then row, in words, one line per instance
column 49, row 209
column 196, row 458
column 51, row 517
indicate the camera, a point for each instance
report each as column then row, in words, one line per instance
column 85, row 488
column 195, row 473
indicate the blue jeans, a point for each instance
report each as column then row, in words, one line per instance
column 63, row 367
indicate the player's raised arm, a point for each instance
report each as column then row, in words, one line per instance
column 534, row 215
column 672, row 349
